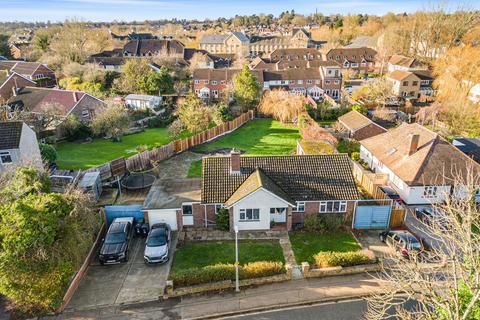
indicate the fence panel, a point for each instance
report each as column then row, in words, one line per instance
column 397, row 218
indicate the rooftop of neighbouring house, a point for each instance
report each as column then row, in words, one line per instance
column 295, row 177
column 434, row 161
column 10, row 134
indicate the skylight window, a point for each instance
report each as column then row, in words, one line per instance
column 391, row 151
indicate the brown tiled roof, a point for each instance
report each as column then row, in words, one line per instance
column 301, row 178
column 292, row 74
column 222, row 74
column 295, row 54
column 354, row 120
column 399, row 75
column 436, row 161
column 35, row 99
column 350, row 52
column 255, row 181
column 403, row 61
column 143, row 47
column 10, row 134
column 20, row 67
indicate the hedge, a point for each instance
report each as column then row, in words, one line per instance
column 343, row 259
column 222, row 272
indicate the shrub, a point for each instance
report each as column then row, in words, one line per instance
column 323, row 222
column 222, row 272
column 48, row 152
column 222, row 220
column 355, row 156
column 343, row 259
column 74, row 130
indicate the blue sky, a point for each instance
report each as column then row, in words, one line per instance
column 129, row 10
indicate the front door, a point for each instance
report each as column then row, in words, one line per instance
column 278, row 214
column 187, row 215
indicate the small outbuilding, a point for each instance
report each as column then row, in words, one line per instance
column 143, row 102
column 359, row 127
column 92, row 184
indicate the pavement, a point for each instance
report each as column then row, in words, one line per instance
column 256, row 299
column 124, row 283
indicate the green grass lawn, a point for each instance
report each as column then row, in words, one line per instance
column 73, row 155
column 305, row 245
column 202, row 254
column 326, row 122
column 195, row 170
column 259, row 137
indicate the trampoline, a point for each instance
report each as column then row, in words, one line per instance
column 138, row 180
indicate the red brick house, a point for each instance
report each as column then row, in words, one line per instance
column 264, row 191
column 10, row 83
column 360, row 60
column 40, row 73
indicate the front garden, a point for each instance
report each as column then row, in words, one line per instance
column 210, row 261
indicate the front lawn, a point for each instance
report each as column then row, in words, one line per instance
column 74, row 155
column 202, row 254
column 195, row 170
column 258, row 137
column 305, row 244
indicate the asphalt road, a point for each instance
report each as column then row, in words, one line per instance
column 343, row 310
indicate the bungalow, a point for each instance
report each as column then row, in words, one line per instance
column 358, row 126
column 421, row 166
column 18, row 143
column 38, row 72
column 403, row 63
column 142, row 101
column 52, row 106
column 261, row 191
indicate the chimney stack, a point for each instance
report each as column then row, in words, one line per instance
column 413, row 147
column 75, row 96
column 235, row 161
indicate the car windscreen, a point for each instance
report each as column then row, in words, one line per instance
column 156, row 239
column 117, row 237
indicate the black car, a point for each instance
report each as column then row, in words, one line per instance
column 403, row 242
column 117, row 241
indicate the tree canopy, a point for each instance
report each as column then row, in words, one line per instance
column 246, row 89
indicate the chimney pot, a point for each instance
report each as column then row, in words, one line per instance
column 235, row 161
column 413, row 147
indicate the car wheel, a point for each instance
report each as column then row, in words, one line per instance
column 126, row 257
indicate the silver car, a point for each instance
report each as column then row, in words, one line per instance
column 158, row 244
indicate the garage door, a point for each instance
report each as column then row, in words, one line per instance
column 168, row 216
column 372, row 217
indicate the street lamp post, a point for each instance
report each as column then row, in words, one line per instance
column 237, row 288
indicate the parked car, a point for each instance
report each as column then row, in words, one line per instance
column 403, row 241
column 392, row 194
column 431, row 216
column 158, row 244
column 116, row 245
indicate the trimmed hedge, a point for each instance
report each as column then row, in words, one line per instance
column 343, row 259
column 222, row 272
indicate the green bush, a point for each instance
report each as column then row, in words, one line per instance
column 323, row 222
column 222, row 220
column 343, row 259
column 48, row 152
column 355, row 156
column 222, row 272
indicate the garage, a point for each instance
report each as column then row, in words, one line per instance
column 168, row 216
column 372, row 217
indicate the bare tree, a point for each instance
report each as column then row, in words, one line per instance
column 282, row 105
column 444, row 281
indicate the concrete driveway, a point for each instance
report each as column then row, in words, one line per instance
column 125, row 283
column 419, row 229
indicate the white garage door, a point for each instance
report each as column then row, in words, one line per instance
column 168, row 216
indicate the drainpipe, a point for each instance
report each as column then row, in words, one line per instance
column 205, row 210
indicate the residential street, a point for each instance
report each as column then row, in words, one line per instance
column 342, row 310
column 254, row 299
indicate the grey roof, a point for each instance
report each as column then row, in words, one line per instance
column 469, row 146
column 241, row 36
column 213, row 38
column 171, row 193
column 10, row 134
column 143, row 97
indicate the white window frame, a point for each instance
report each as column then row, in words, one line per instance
column 278, row 210
column 218, row 206
column 300, row 82
column 430, row 191
column 214, row 82
column 85, row 113
column 7, row 154
column 309, row 81
column 205, row 81
column 197, row 81
column 245, row 213
column 337, row 81
column 330, row 206
column 300, row 206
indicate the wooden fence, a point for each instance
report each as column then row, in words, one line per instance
column 370, row 181
column 148, row 159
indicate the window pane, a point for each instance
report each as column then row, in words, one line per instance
column 323, row 206
column 187, row 209
column 249, row 214
column 242, row 215
column 336, row 206
column 329, row 206
column 272, row 210
column 343, row 206
column 256, row 214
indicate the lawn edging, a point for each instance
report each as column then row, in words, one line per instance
column 171, row 291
